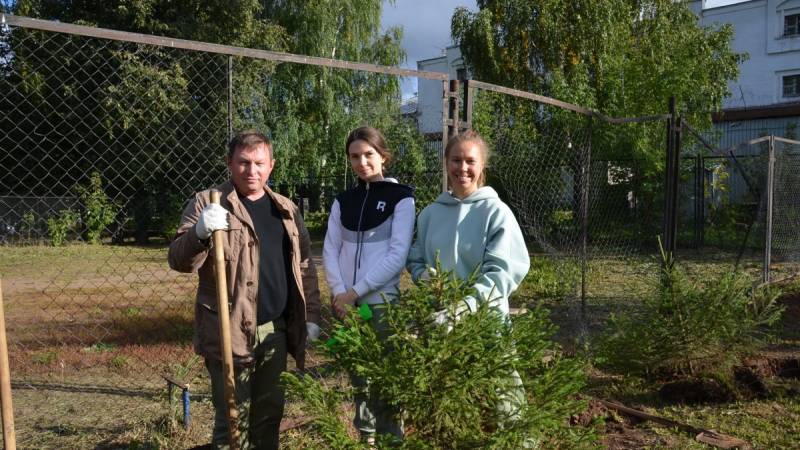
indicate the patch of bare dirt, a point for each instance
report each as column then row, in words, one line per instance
column 695, row 391
column 593, row 411
column 622, row 434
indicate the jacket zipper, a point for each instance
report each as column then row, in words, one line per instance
column 359, row 236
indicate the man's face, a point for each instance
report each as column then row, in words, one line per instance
column 250, row 169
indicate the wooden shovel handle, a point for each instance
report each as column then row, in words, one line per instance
column 9, row 437
column 223, row 313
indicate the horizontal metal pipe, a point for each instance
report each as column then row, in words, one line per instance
column 561, row 104
column 104, row 33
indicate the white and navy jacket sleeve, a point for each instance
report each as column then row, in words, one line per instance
column 330, row 252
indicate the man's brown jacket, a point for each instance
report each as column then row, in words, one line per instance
column 188, row 254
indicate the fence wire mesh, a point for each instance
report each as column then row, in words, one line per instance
column 102, row 143
column 785, row 239
column 584, row 199
column 725, row 207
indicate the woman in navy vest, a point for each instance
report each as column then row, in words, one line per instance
column 370, row 229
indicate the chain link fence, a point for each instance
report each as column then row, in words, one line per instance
column 102, row 143
column 587, row 198
column 741, row 203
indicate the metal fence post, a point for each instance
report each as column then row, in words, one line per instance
column 445, row 130
column 586, row 161
column 451, row 123
column 676, row 146
column 671, row 179
column 668, row 177
column 230, row 97
column 699, row 201
column 768, row 219
column 696, row 243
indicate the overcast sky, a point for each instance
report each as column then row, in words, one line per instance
column 426, row 29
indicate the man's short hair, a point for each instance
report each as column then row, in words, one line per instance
column 248, row 139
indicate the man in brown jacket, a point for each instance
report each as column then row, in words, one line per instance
column 272, row 288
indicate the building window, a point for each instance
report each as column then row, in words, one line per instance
column 791, row 86
column 791, row 25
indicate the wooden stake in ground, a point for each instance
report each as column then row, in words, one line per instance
column 223, row 313
column 9, row 438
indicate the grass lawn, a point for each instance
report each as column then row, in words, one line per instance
column 92, row 328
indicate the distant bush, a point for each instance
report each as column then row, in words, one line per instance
column 60, row 226
column 28, row 225
column 691, row 328
column 100, row 210
column 316, row 223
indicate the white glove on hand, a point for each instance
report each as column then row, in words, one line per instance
column 440, row 317
column 313, row 331
column 443, row 317
column 213, row 217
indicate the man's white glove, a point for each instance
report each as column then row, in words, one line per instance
column 213, row 217
column 313, row 331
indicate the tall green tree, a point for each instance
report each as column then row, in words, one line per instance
column 624, row 58
column 148, row 112
column 313, row 108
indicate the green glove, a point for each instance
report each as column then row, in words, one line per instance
column 364, row 311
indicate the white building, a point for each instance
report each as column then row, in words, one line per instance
column 769, row 31
column 430, row 92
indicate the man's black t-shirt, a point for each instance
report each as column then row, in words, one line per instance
column 274, row 266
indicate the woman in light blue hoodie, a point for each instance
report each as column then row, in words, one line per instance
column 471, row 228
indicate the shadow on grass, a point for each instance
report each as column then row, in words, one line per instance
column 87, row 389
column 169, row 327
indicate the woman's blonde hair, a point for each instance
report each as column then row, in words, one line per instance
column 470, row 136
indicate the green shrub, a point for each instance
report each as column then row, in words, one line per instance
column 27, row 224
column 551, row 279
column 58, row 227
column 170, row 214
column 316, row 223
column 451, row 380
column 100, row 210
column 690, row 328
